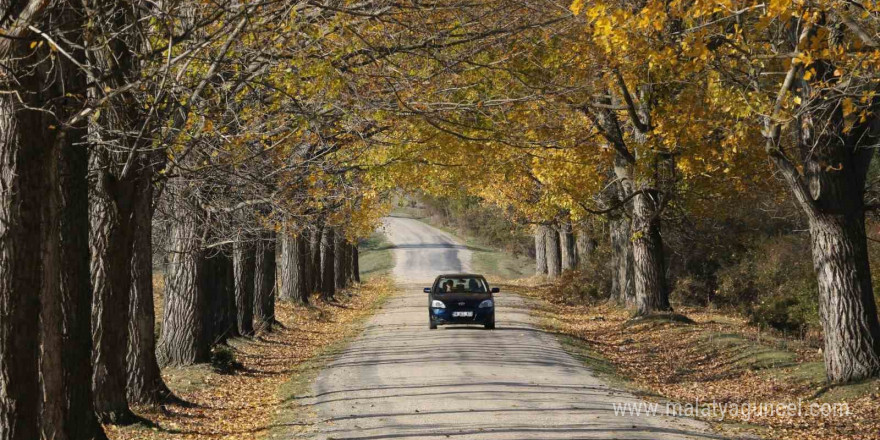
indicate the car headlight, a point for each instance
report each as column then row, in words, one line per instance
column 487, row 303
column 437, row 304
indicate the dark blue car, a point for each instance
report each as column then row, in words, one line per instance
column 461, row 299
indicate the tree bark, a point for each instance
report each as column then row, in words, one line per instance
column 182, row 341
column 218, row 283
column 316, row 276
column 554, row 257
column 652, row 293
column 245, row 268
column 340, row 266
column 622, row 273
column 585, row 245
column 567, row 246
column 300, row 270
column 355, row 264
column 328, row 263
column 541, row 250
column 846, row 303
column 76, row 291
column 111, row 250
column 23, row 151
column 264, row 283
column 145, row 383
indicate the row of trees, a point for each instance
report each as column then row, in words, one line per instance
column 629, row 114
column 207, row 140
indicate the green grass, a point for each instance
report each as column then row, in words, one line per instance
column 375, row 257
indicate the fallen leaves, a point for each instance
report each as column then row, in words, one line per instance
column 719, row 359
column 244, row 405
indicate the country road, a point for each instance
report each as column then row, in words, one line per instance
column 400, row 380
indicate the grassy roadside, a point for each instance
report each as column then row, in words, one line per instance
column 375, row 257
column 250, row 400
column 494, row 263
column 717, row 358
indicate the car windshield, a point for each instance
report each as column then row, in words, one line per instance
column 462, row 285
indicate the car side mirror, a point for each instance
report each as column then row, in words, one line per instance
column 427, row 290
column 495, row 290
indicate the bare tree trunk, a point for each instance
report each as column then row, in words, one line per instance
column 650, row 267
column 567, row 246
column 316, row 276
column 145, row 383
column 541, row 250
column 340, row 281
column 23, row 151
column 111, row 249
column 328, row 263
column 287, row 265
column 300, row 270
column 245, row 266
column 264, row 283
column 218, row 283
column 585, row 245
column 554, row 257
column 622, row 273
column 355, row 264
column 846, row 302
column 182, row 341
column 76, row 291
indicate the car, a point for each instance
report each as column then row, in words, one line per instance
column 461, row 298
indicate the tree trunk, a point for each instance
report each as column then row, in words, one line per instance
column 650, row 267
column 541, row 250
column 554, row 257
column 287, row 265
column 300, row 269
column 567, row 247
column 585, row 245
column 264, row 283
column 76, row 291
column 111, row 253
column 145, row 383
column 182, row 341
column 316, row 276
column 355, row 264
column 52, row 416
column 340, row 265
column 245, row 268
column 622, row 273
column 218, row 283
column 846, row 301
column 328, row 262
column 22, row 158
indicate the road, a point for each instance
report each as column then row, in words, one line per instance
column 400, row 380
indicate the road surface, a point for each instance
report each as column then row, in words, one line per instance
column 400, row 380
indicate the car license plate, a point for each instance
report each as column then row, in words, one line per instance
column 467, row 314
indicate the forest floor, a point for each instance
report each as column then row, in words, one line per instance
column 247, row 396
column 716, row 360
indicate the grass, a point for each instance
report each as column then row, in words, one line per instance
column 375, row 257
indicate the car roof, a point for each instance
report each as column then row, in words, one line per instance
column 459, row 275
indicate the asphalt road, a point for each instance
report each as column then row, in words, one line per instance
column 400, row 380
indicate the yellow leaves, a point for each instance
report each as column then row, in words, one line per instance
column 576, row 7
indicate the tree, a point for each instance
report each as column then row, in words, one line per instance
column 245, row 268
column 264, row 282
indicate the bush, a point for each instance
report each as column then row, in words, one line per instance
column 590, row 284
column 773, row 284
column 223, row 360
